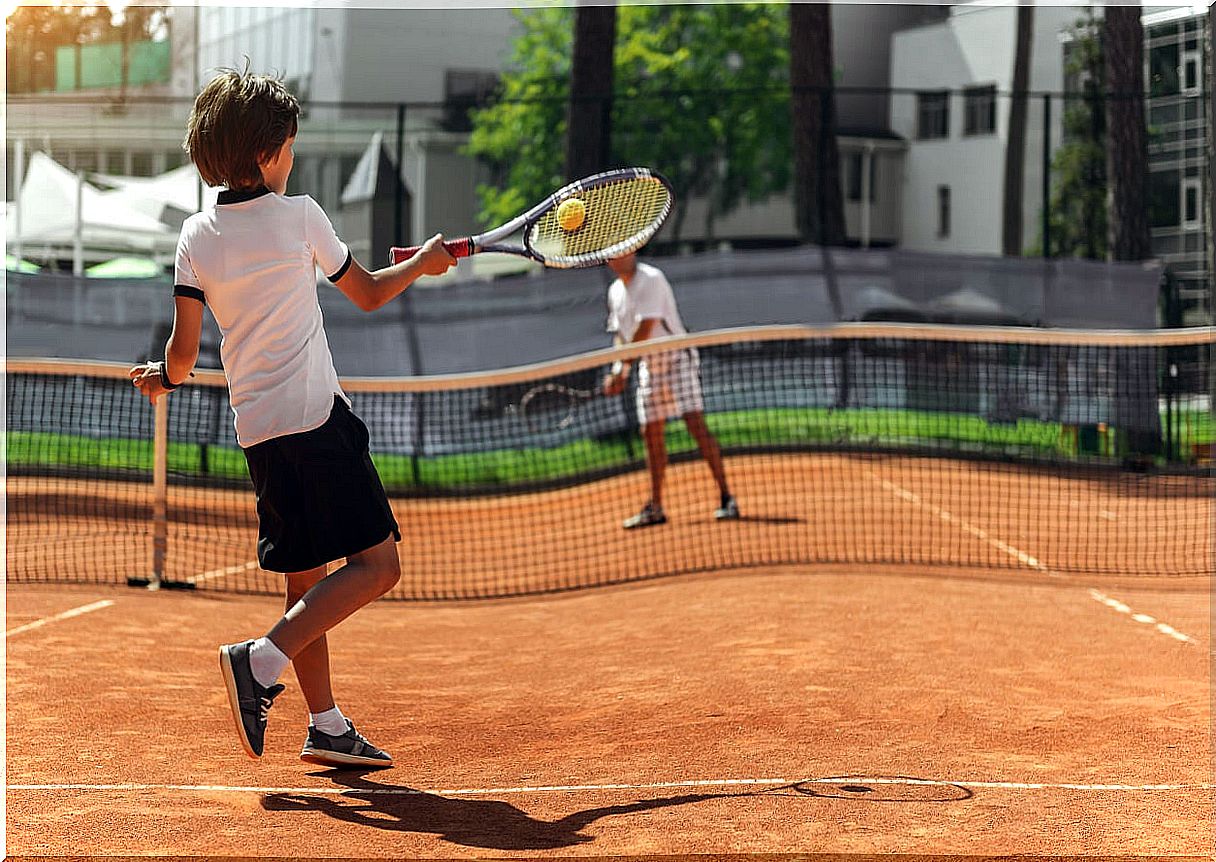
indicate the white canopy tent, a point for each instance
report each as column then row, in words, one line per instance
column 179, row 189
column 58, row 214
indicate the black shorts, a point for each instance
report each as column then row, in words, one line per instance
column 319, row 496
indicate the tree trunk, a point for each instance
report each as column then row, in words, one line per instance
column 818, row 207
column 589, row 118
column 1126, row 137
column 1015, row 146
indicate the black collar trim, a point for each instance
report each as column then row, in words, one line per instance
column 239, row 196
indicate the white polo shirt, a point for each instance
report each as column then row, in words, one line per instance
column 254, row 256
column 647, row 296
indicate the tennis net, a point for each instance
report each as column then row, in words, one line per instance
column 909, row 445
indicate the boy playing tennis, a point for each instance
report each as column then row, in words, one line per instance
column 641, row 305
column 253, row 258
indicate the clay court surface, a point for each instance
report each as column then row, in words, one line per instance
column 926, row 712
column 737, row 709
column 809, row 508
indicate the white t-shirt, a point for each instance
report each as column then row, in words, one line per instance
column 647, row 296
column 254, row 257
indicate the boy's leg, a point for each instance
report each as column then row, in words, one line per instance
column 709, row 448
column 656, row 465
column 332, row 739
column 366, row 577
column 251, row 668
column 312, row 663
column 656, row 458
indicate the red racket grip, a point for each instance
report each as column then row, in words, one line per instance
column 458, row 248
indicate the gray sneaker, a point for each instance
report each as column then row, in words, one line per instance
column 648, row 517
column 728, row 511
column 349, row 749
column 249, row 699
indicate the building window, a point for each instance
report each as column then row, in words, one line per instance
column 853, row 178
column 1190, row 73
column 943, row 212
column 141, row 164
column 1164, row 199
column 84, row 160
column 1190, row 204
column 979, row 110
column 463, row 91
column 1163, row 70
column 932, row 115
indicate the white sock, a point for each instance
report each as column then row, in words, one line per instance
column 266, row 661
column 332, row 721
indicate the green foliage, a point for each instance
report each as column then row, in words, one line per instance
column 700, row 97
column 1078, row 199
column 521, row 136
column 33, row 33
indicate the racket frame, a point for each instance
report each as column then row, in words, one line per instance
column 493, row 240
column 574, row 397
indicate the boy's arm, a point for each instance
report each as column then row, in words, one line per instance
column 614, row 382
column 181, row 351
column 371, row 290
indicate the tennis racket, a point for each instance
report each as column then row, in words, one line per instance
column 582, row 224
column 551, row 406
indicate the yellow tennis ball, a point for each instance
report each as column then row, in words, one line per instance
column 571, row 214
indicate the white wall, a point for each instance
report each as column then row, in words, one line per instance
column 443, row 187
column 409, row 50
column 861, row 42
column 975, row 46
column 276, row 40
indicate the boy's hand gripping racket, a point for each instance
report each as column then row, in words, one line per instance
column 583, row 224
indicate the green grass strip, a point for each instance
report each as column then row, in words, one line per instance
column 505, row 467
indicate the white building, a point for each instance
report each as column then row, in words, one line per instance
column 1180, row 126
column 954, row 168
column 957, row 123
column 369, row 60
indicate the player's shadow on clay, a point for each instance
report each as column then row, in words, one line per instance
column 470, row 822
column 766, row 519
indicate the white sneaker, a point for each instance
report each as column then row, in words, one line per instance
column 728, row 511
column 648, row 517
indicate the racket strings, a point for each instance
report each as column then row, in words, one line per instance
column 549, row 401
column 620, row 216
column 551, row 407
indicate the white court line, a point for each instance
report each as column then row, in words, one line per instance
column 1019, row 555
column 74, row 612
column 1029, row 560
column 223, row 573
column 598, row 788
column 1116, row 605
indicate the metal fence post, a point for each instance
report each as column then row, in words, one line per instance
column 1047, row 175
column 160, row 488
column 399, row 185
column 407, row 303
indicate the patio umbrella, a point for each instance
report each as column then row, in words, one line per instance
column 126, row 267
column 13, row 264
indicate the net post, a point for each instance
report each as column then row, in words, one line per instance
column 160, row 475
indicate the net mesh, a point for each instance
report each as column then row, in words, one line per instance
column 619, row 216
column 883, row 444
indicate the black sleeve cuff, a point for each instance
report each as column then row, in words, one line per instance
column 189, row 292
column 342, row 269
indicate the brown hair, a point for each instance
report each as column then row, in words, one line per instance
column 239, row 120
